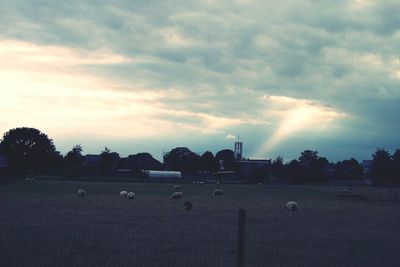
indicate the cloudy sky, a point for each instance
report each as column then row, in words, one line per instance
column 150, row 75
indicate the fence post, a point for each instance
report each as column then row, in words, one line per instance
column 240, row 247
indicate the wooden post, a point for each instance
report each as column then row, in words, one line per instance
column 240, row 247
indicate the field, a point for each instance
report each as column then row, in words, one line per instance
column 45, row 223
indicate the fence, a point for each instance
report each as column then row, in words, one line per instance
column 59, row 247
column 371, row 192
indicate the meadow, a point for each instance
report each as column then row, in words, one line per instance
column 45, row 223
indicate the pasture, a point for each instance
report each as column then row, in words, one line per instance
column 45, row 223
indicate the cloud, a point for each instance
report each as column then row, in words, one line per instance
column 202, row 68
column 230, row 137
column 294, row 115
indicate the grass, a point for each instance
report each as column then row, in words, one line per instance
column 47, row 223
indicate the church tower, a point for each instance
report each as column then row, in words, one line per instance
column 238, row 150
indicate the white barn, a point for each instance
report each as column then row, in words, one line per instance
column 163, row 175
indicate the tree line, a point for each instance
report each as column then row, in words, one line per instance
column 30, row 151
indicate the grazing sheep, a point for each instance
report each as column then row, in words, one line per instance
column 177, row 195
column 131, row 195
column 81, row 192
column 218, row 192
column 259, row 184
column 187, row 205
column 177, row 187
column 28, row 180
column 123, row 194
column 291, row 206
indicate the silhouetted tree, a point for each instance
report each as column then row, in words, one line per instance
column 295, row 172
column 28, row 150
column 208, row 162
column 312, row 165
column 108, row 161
column 381, row 167
column 277, row 167
column 348, row 169
column 182, row 159
column 73, row 162
column 396, row 167
column 307, row 157
column 226, row 159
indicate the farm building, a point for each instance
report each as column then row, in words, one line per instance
column 163, row 175
column 3, row 162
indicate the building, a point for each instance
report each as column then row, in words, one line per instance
column 238, row 150
column 163, row 175
column 3, row 162
column 251, row 167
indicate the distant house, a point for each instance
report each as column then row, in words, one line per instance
column 91, row 160
column 367, row 171
column 3, row 162
column 249, row 167
column 144, row 161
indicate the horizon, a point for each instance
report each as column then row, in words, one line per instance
column 148, row 77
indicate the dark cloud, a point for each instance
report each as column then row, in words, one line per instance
column 224, row 56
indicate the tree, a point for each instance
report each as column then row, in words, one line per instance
column 295, row 172
column 182, row 159
column 73, row 162
column 381, row 167
column 28, row 150
column 277, row 167
column 208, row 162
column 307, row 157
column 349, row 169
column 108, row 160
column 396, row 167
column 226, row 159
column 313, row 165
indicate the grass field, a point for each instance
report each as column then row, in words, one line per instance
column 45, row 223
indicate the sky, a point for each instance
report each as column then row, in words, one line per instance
column 148, row 76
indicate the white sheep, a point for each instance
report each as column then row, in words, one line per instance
column 131, row 195
column 218, row 192
column 291, row 206
column 123, row 194
column 177, row 187
column 81, row 192
column 177, row 195
column 28, row 180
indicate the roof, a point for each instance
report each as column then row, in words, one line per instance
column 3, row 162
column 163, row 174
column 91, row 159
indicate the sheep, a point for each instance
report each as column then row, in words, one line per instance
column 177, row 195
column 81, row 192
column 131, row 195
column 123, row 194
column 291, row 206
column 177, row 187
column 187, row 205
column 218, row 192
column 28, row 180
